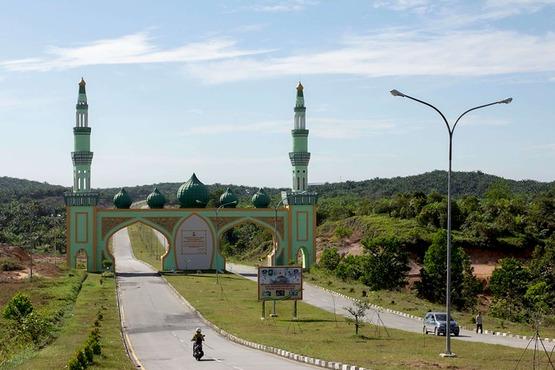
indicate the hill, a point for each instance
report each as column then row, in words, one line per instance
column 464, row 183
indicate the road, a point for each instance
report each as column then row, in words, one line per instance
column 159, row 325
column 318, row 297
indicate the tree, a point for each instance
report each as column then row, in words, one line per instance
column 357, row 312
column 432, row 286
column 510, row 280
column 330, row 259
column 350, row 267
column 385, row 264
column 508, row 284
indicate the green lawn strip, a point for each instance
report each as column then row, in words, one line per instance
column 53, row 299
column 408, row 302
column 233, row 306
column 146, row 245
column 93, row 297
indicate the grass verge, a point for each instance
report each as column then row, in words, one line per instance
column 53, row 299
column 408, row 302
column 97, row 293
column 233, row 306
column 146, row 245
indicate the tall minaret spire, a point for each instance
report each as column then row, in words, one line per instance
column 300, row 156
column 82, row 156
column 82, row 108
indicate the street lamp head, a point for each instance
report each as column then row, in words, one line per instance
column 397, row 93
column 506, row 101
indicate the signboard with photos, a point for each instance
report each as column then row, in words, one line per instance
column 280, row 283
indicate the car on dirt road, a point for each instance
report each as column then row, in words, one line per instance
column 435, row 322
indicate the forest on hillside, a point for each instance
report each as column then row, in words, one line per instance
column 463, row 183
column 392, row 217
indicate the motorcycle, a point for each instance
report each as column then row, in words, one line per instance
column 197, row 351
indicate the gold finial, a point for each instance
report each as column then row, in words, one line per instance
column 300, row 86
column 82, row 82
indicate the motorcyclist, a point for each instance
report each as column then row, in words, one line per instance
column 198, row 338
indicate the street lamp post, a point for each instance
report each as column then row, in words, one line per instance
column 451, row 130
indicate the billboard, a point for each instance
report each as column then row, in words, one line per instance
column 280, row 283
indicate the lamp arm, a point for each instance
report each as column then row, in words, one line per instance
column 434, row 108
column 470, row 110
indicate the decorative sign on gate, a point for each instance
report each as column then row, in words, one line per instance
column 194, row 242
column 280, row 283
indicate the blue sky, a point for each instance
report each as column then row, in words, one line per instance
column 176, row 87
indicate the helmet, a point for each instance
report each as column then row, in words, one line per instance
column 198, row 330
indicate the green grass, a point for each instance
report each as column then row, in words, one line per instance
column 233, row 306
column 407, row 301
column 94, row 296
column 52, row 298
column 146, row 245
column 407, row 230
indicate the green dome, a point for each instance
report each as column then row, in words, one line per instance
column 156, row 199
column 122, row 199
column 228, row 199
column 260, row 199
column 193, row 194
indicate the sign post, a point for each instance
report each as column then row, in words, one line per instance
column 278, row 283
column 263, row 317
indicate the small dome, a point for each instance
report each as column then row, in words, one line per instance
column 156, row 199
column 228, row 199
column 193, row 193
column 122, row 199
column 260, row 199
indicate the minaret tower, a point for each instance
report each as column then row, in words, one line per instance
column 82, row 155
column 300, row 156
column 80, row 200
column 300, row 202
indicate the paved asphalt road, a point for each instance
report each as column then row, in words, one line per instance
column 159, row 325
column 318, row 297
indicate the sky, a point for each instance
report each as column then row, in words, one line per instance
column 176, row 87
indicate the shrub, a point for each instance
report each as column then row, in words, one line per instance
column 18, row 307
column 342, row 231
column 330, row 259
column 8, row 264
column 107, row 264
column 82, row 359
column 74, row 364
column 89, row 354
column 350, row 267
column 35, row 327
column 95, row 334
column 95, row 346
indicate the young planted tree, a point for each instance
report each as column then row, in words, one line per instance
column 357, row 312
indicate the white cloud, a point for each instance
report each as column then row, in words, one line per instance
column 417, row 6
column 322, row 127
column 130, row 49
column 450, row 14
column 522, row 5
column 457, row 53
column 283, row 6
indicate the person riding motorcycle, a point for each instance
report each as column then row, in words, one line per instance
column 198, row 338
